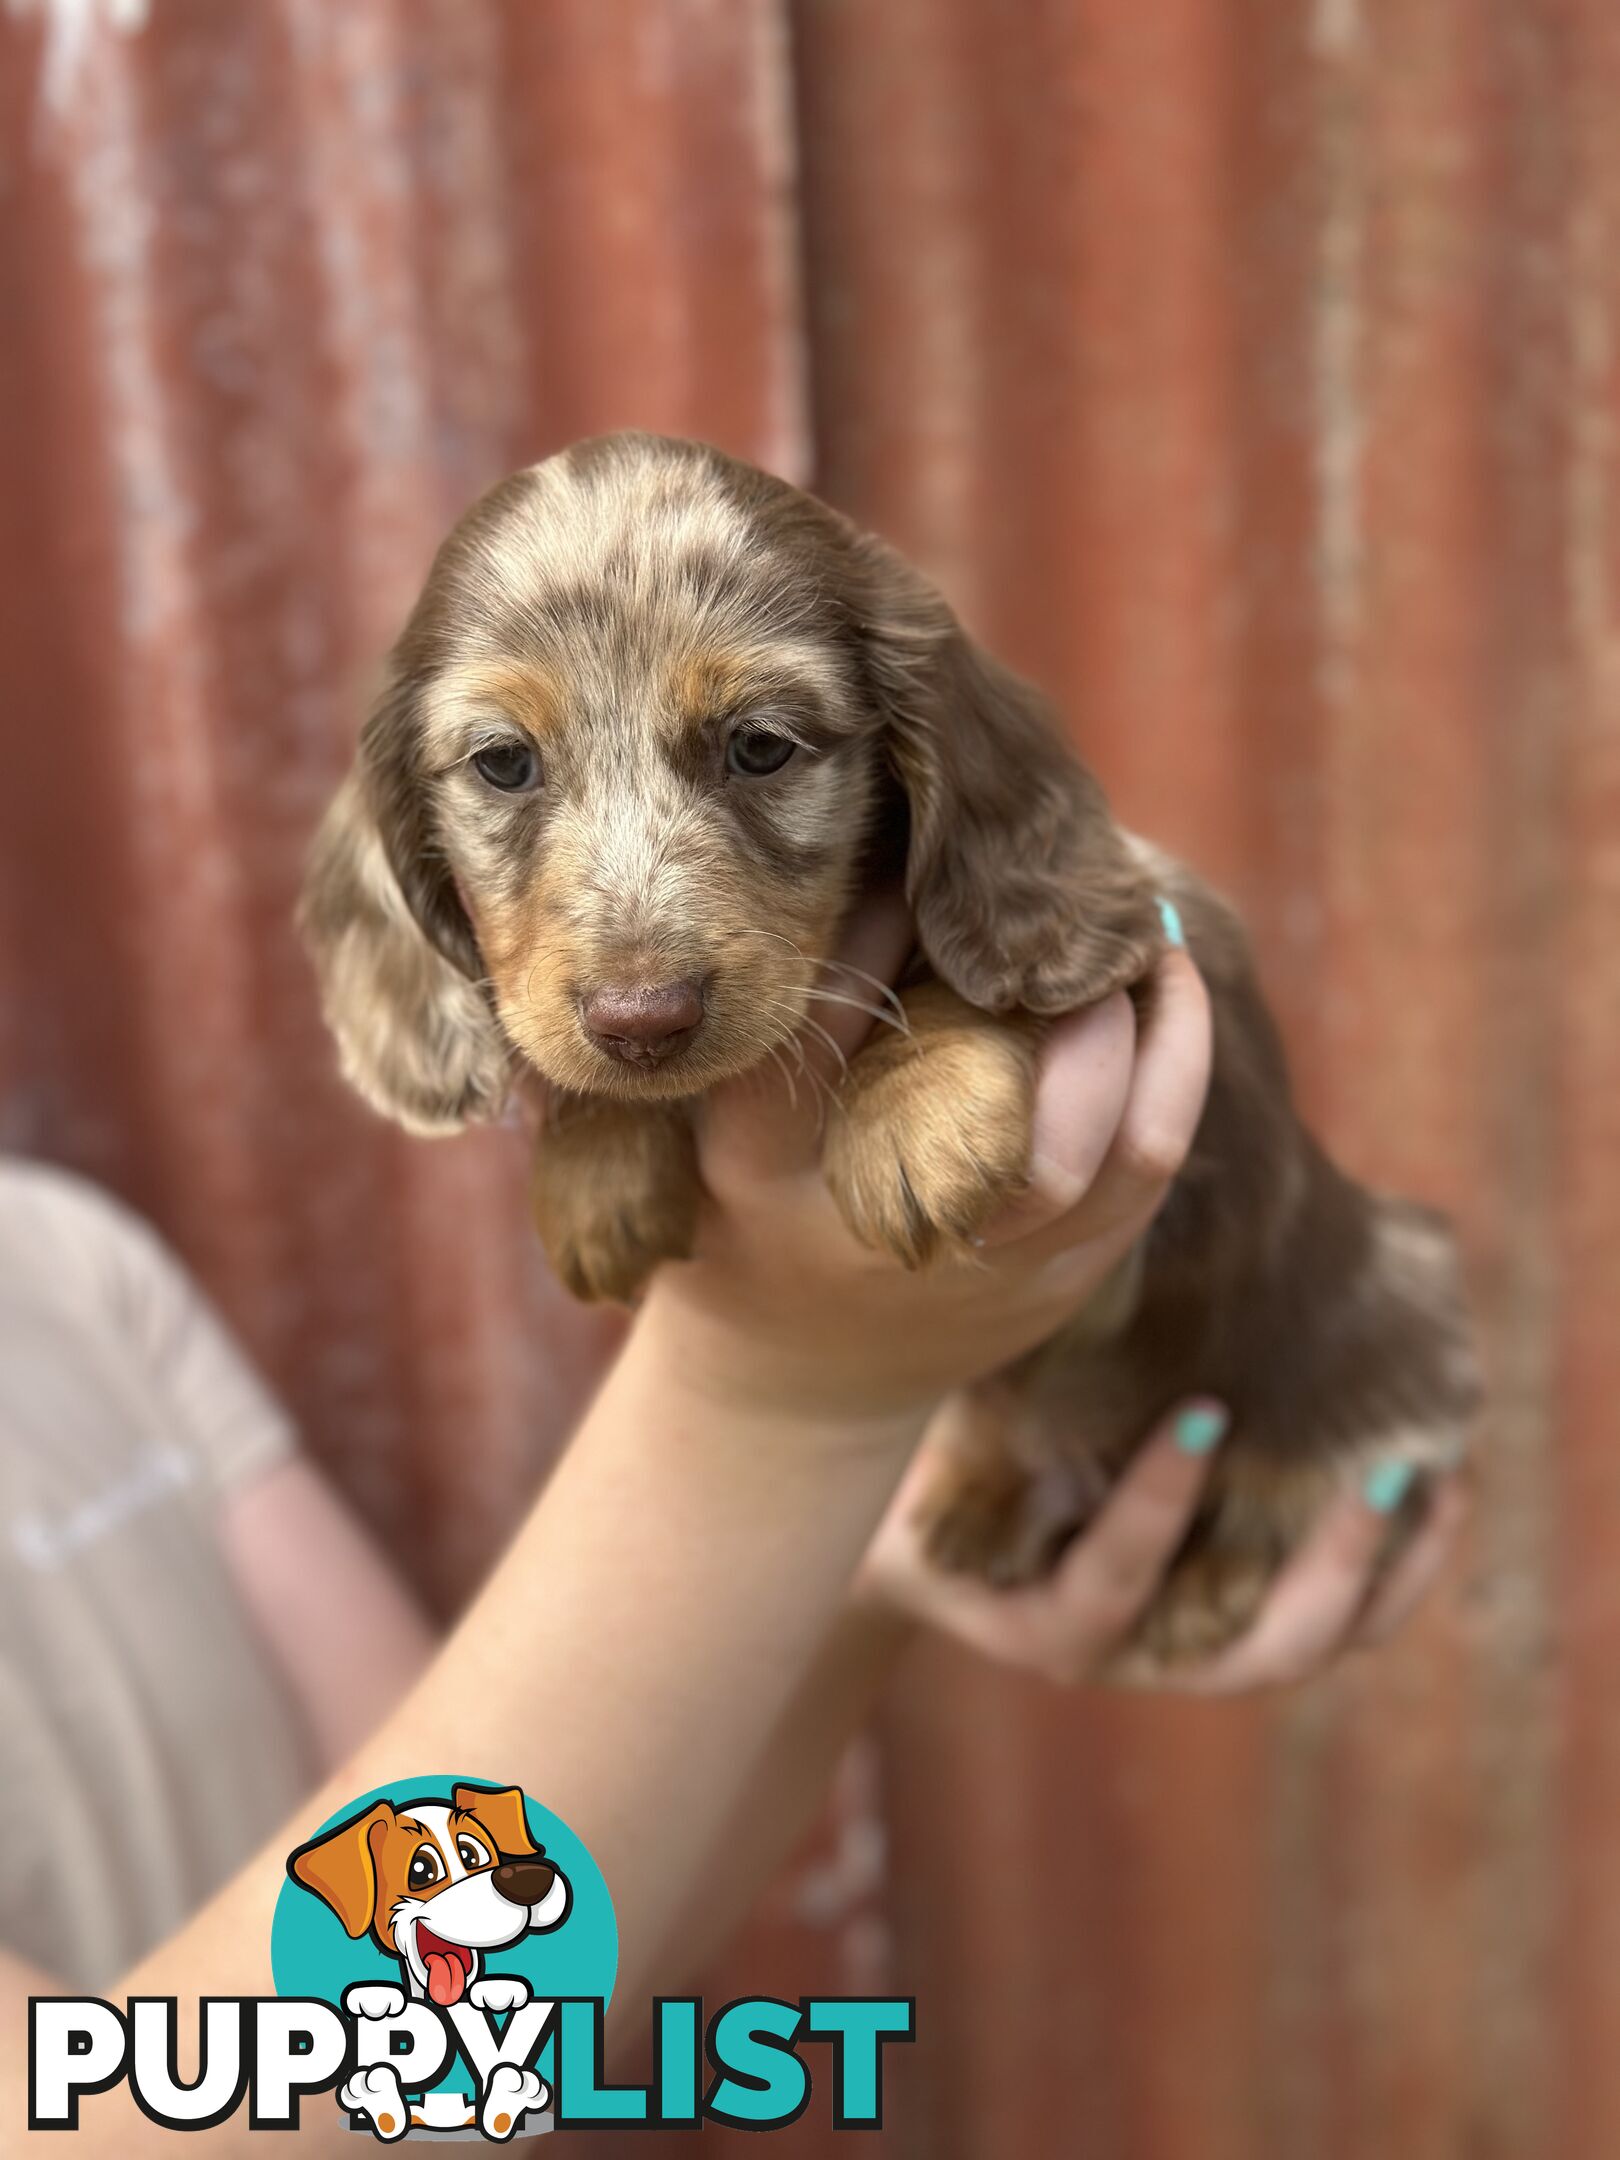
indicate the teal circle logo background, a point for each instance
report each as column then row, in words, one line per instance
column 310, row 1953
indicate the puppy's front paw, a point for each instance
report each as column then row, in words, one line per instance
column 615, row 1191
column 374, row 1999
column 932, row 1133
column 498, row 1992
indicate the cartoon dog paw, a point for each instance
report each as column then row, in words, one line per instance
column 509, row 2093
column 376, row 2094
column 500, row 1991
column 369, row 2000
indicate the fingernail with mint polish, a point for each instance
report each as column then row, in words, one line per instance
column 1200, row 1427
column 1387, row 1485
column 1170, row 916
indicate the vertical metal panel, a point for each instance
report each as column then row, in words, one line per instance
column 1249, row 377
column 284, row 286
column 1582, row 1060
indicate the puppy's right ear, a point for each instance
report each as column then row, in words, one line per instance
column 392, row 947
column 341, row 1868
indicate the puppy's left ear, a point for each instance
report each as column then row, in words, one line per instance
column 501, row 1813
column 1025, row 893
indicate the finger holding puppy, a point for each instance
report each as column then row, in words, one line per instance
column 1333, row 1595
column 1074, row 1627
column 1169, row 1080
column 786, row 1298
column 1070, row 1625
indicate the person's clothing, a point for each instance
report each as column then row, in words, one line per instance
column 148, row 1743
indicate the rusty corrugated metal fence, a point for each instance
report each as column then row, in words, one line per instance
column 1251, row 375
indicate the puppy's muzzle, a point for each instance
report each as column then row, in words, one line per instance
column 524, row 1882
column 643, row 1023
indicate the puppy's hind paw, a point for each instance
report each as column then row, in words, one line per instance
column 509, row 2095
column 376, row 2096
column 992, row 1518
column 1210, row 1597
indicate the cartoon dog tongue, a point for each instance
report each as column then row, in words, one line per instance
column 446, row 1977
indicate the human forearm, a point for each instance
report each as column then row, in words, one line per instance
column 789, row 1783
column 739, row 1537
column 735, row 1532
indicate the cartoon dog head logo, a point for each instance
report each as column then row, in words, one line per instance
column 437, row 1885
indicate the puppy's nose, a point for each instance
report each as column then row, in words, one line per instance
column 524, row 1882
column 645, row 1021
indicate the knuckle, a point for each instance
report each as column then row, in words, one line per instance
column 1150, row 1154
column 1290, row 1663
column 1285, row 1672
column 1064, row 1664
column 1117, row 1600
column 1126, row 1578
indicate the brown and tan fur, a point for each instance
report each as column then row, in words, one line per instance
column 361, row 1868
column 620, row 610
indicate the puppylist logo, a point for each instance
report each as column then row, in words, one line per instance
column 444, row 1952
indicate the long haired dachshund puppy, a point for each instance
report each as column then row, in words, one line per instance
column 654, row 721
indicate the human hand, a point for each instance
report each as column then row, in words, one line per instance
column 1328, row 1598
column 781, row 1304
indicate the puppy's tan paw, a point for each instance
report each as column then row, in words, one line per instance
column 990, row 1517
column 1209, row 1598
column 969, row 1522
column 614, row 1192
column 932, row 1133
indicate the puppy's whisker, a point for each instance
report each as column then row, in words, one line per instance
column 841, row 967
column 803, row 1021
column 821, row 1088
column 876, row 982
column 873, row 1012
column 826, row 1097
column 775, row 1056
column 818, row 1030
column 542, row 959
column 791, row 1022
column 786, row 1036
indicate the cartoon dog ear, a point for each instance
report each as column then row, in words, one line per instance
column 501, row 1813
column 1025, row 892
column 392, row 946
column 341, row 1868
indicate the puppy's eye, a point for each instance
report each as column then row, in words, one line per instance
column 424, row 1868
column 755, row 751
column 472, row 1854
column 513, row 767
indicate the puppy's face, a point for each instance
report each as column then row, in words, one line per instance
column 644, row 750
column 437, row 1885
column 642, row 730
